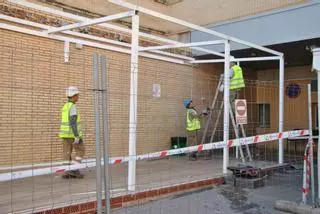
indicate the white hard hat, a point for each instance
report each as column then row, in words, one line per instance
column 71, row 91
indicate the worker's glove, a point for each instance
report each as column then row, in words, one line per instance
column 77, row 140
column 205, row 111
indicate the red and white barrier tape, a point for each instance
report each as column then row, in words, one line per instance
column 307, row 170
column 39, row 165
column 118, row 160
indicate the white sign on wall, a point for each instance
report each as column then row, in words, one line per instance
column 241, row 111
column 316, row 60
column 156, row 91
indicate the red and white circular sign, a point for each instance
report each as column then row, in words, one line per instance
column 241, row 108
column 241, row 111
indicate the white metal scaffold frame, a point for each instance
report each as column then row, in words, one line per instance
column 316, row 68
column 65, row 34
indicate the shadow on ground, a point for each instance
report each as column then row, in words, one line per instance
column 227, row 199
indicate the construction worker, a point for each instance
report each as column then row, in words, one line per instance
column 192, row 126
column 71, row 131
column 236, row 83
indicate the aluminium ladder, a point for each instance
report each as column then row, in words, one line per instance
column 235, row 126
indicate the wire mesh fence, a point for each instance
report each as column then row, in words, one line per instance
column 33, row 87
column 33, row 80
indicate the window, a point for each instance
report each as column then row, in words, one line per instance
column 315, row 121
column 314, row 85
column 264, row 115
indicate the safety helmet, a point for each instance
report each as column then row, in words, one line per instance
column 71, row 91
column 187, row 102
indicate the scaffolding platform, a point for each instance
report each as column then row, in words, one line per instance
column 252, row 175
column 256, row 169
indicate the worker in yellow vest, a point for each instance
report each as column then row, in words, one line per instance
column 71, row 132
column 236, row 82
column 192, row 126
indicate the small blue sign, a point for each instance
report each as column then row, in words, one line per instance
column 293, row 90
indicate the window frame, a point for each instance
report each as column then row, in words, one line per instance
column 264, row 122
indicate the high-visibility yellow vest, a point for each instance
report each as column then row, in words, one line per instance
column 65, row 128
column 194, row 124
column 237, row 80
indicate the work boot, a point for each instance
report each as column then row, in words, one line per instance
column 193, row 156
column 77, row 173
column 67, row 175
column 207, row 155
column 73, row 174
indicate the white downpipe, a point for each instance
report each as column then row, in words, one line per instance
column 226, row 106
column 281, row 106
column 66, row 51
column 133, row 102
column 311, row 143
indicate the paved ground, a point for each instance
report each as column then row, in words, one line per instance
column 52, row 191
column 226, row 199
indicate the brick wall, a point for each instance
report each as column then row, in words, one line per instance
column 32, row 84
column 296, row 109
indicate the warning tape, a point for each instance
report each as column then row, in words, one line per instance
column 39, row 165
column 118, row 160
column 307, row 169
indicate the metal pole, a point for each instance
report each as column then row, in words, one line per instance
column 249, row 59
column 318, row 162
column 304, row 181
column 316, row 67
column 97, row 130
column 133, row 102
column 226, row 106
column 105, row 124
column 281, row 106
column 311, row 143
